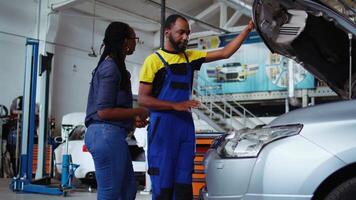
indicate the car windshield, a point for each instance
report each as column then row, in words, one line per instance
column 344, row 7
column 232, row 65
column 77, row 133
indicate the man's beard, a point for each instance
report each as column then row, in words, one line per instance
column 178, row 46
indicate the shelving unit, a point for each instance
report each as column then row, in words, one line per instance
column 203, row 142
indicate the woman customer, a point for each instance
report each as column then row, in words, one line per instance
column 110, row 116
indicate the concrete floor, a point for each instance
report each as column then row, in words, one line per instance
column 78, row 194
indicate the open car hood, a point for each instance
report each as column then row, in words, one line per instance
column 314, row 35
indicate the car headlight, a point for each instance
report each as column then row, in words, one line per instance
column 249, row 142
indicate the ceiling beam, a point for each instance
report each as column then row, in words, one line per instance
column 223, row 14
column 212, row 9
column 242, row 4
column 112, row 13
column 190, row 17
column 233, row 19
column 137, row 15
column 58, row 5
column 239, row 6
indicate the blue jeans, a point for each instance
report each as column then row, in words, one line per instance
column 112, row 160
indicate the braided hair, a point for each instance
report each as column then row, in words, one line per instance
column 115, row 35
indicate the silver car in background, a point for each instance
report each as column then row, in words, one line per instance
column 308, row 153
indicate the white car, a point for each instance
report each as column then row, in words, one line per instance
column 76, row 148
column 231, row 72
column 80, row 154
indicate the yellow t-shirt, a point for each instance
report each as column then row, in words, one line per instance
column 153, row 70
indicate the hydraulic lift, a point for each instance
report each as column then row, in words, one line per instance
column 24, row 181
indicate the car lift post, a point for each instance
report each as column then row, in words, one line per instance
column 45, row 70
column 23, row 181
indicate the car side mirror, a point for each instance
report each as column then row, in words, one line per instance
column 58, row 140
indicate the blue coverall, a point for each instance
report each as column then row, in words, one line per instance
column 171, row 140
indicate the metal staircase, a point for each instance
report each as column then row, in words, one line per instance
column 220, row 114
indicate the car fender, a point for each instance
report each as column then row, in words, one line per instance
column 291, row 166
column 336, row 137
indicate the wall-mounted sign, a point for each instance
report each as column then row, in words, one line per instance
column 253, row 68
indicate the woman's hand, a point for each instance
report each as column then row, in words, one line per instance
column 140, row 123
column 141, row 118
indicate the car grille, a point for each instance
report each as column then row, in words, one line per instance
column 232, row 75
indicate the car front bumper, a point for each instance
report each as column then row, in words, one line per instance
column 204, row 195
column 288, row 169
column 226, row 178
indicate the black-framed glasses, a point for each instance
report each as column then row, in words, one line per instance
column 137, row 39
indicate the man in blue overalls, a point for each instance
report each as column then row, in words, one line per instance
column 165, row 88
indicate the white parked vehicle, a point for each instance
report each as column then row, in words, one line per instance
column 76, row 148
column 80, row 154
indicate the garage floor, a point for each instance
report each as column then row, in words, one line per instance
column 78, row 194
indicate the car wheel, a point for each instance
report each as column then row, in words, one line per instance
column 345, row 191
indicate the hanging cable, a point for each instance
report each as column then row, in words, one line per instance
column 93, row 53
column 48, row 42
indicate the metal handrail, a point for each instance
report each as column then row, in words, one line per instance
column 226, row 104
column 249, row 112
column 228, row 114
